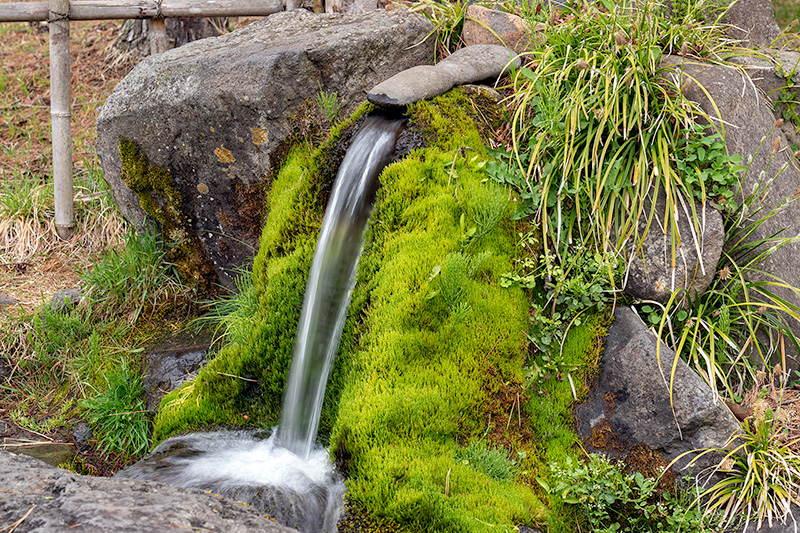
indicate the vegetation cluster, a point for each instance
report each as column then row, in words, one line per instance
column 484, row 291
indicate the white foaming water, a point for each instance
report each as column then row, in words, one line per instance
column 245, row 461
column 304, row 493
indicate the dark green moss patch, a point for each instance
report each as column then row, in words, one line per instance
column 163, row 202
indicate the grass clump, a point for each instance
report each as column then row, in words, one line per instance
column 118, row 414
column 597, row 127
column 132, row 281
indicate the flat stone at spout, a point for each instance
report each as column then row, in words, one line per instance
column 411, row 85
column 478, row 62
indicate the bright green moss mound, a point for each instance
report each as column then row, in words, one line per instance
column 431, row 347
column 437, row 330
column 243, row 384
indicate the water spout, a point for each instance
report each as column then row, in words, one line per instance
column 331, row 281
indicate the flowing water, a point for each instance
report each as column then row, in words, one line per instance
column 331, row 280
column 288, row 475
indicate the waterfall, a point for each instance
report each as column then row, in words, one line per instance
column 331, row 281
column 286, row 475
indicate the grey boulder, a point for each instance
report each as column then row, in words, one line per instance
column 42, row 498
column 751, row 131
column 212, row 117
column 650, row 275
column 630, row 404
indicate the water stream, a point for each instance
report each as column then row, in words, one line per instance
column 288, row 475
column 331, row 280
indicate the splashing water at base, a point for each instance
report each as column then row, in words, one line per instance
column 304, row 493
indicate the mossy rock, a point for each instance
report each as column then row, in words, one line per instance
column 418, row 409
column 161, row 199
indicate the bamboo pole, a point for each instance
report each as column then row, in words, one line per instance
column 60, row 116
column 141, row 9
column 158, row 38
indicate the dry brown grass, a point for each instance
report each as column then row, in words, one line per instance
column 769, row 394
column 34, row 262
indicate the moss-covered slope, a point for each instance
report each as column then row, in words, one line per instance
column 417, row 408
column 439, row 339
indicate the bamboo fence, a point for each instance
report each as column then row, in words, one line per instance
column 58, row 13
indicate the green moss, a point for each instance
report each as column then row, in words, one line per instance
column 163, row 202
column 435, row 325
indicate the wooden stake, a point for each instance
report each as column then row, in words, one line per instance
column 60, row 106
column 158, row 38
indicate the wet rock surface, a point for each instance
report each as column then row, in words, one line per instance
column 248, row 467
column 42, row 498
column 213, row 115
column 650, row 275
column 173, row 362
column 629, row 406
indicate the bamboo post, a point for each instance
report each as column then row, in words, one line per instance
column 60, row 107
column 158, row 37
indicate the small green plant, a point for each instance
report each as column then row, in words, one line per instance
column 131, row 281
column 613, row 501
column 329, row 104
column 118, row 414
column 786, row 101
column 707, row 168
column 583, row 284
column 450, row 279
column 495, row 463
column 448, row 21
column 761, row 474
column 231, row 316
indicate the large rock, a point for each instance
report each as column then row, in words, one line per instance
column 750, row 130
column 629, row 406
column 492, row 26
column 650, row 275
column 47, row 499
column 208, row 119
column 753, row 22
